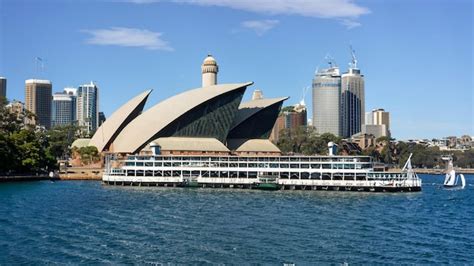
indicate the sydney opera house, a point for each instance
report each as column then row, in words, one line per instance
column 210, row 120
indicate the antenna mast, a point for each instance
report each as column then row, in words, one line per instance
column 353, row 63
column 331, row 61
column 39, row 65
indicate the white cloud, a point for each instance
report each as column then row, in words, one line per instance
column 309, row 8
column 128, row 37
column 350, row 24
column 260, row 26
column 341, row 9
column 345, row 11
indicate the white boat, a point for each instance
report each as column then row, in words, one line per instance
column 340, row 173
column 451, row 180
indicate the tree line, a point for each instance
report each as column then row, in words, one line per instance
column 28, row 149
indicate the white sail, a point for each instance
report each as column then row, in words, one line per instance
column 463, row 180
column 450, row 179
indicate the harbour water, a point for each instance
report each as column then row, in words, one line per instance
column 87, row 222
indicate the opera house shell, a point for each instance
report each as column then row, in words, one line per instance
column 110, row 129
column 208, row 119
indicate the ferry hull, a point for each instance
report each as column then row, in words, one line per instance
column 266, row 186
column 281, row 185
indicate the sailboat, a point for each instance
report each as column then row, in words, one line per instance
column 451, row 180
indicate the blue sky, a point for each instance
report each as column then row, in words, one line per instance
column 417, row 55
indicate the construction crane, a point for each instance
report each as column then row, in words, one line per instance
column 303, row 95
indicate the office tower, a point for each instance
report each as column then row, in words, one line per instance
column 326, row 100
column 380, row 117
column 352, row 100
column 377, row 123
column 88, row 107
column 290, row 117
column 3, row 87
column 72, row 92
column 63, row 109
column 38, row 100
column 209, row 71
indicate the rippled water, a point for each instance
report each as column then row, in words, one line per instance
column 86, row 222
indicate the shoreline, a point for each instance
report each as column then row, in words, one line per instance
column 442, row 171
column 81, row 173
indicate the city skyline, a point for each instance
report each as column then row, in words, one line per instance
column 276, row 49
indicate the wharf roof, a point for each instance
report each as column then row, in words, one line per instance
column 189, row 144
column 252, row 145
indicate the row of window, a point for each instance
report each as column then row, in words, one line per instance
column 252, row 174
column 250, row 165
column 253, row 159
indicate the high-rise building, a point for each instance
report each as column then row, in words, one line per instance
column 63, row 109
column 88, row 107
column 209, row 71
column 352, row 102
column 73, row 93
column 3, row 87
column 377, row 123
column 38, row 100
column 290, row 117
column 380, row 117
column 326, row 101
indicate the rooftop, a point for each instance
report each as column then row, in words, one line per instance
column 37, row 81
column 189, row 144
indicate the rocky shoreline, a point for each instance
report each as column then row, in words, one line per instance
column 81, row 173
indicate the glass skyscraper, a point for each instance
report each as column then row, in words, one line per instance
column 64, row 108
column 326, row 101
column 352, row 102
column 38, row 100
column 88, row 107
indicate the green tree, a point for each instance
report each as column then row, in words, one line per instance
column 304, row 140
column 30, row 152
column 60, row 139
column 23, row 148
column 89, row 154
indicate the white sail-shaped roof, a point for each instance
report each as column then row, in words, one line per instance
column 107, row 132
column 143, row 129
column 248, row 109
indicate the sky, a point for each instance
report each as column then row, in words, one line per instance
column 416, row 55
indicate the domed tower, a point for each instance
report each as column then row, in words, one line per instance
column 209, row 70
